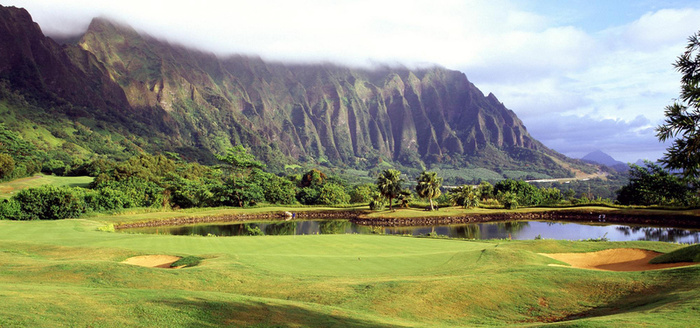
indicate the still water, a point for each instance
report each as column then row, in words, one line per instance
column 515, row 230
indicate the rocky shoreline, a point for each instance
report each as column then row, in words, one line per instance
column 358, row 217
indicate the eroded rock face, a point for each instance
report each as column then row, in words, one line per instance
column 198, row 100
column 37, row 64
column 310, row 110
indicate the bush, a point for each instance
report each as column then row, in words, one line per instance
column 308, row 196
column 9, row 209
column 239, row 192
column 363, row 193
column 333, row 194
column 106, row 199
column 49, row 203
column 376, row 205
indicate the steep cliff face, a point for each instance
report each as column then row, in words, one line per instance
column 310, row 113
column 306, row 111
column 35, row 63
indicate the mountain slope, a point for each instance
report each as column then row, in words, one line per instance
column 196, row 103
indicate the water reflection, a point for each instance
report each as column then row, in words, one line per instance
column 661, row 234
column 501, row 230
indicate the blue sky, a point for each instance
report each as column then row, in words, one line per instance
column 582, row 75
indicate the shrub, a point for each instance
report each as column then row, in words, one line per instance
column 9, row 209
column 333, row 194
column 376, row 205
column 49, row 203
column 308, row 196
column 239, row 192
column 106, row 199
column 363, row 193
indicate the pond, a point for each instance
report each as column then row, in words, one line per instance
column 520, row 230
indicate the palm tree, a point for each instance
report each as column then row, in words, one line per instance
column 389, row 184
column 429, row 186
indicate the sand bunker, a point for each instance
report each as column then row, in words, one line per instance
column 152, row 261
column 619, row 259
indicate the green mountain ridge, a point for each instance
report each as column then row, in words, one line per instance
column 156, row 96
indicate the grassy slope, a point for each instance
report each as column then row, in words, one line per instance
column 65, row 273
column 7, row 189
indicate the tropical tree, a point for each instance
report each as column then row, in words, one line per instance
column 465, row 196
column 429, row 186
column 404, row 198
column 683, row 117
column 653, row 185
column 239, row 161
column 389, row 184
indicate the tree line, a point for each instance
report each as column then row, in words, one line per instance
column 165, row 181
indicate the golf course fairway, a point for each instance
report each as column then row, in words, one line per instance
column 70, row 274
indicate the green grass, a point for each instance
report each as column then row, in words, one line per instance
column 685, row 254
column 187, row 261
column 68, row 273
column 7, row 189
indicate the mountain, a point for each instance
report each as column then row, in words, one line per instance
column 600, row 157
column 157, row 96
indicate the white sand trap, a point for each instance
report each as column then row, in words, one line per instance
column 152, row 261
column 618, row 259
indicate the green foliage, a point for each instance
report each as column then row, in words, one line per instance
column 56, row 167
column 7, row 166
column 653, row 185
column 551, row 196
column 404, row 198
column 18, row 158
column 277, row 190
column 187, row 193
column 389, row 184
column 485, row 190
column 49, row 203
column 376, row 204
column 333, row 194
column 525, row 193
column 509, row 199
column 137, row 192
column 239, row 192
column 239, row 160
column 187, row 261
column 683, row 117
column 363, row 193
column 465, row 196
column 308, row 196
column 106, row 199
column 313, row 179
column 10, row 209
column 429, row 186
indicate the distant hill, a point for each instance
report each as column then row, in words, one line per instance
column 116, row 91
column 599, row 157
